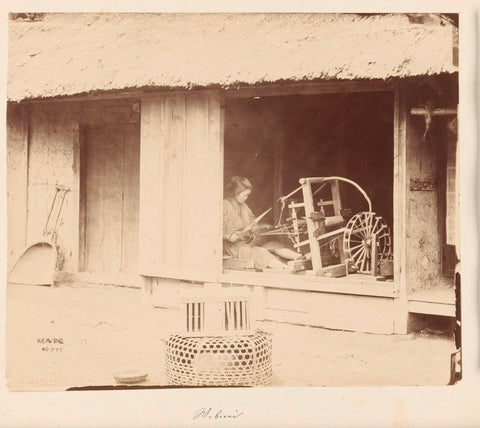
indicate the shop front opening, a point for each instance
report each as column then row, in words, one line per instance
column 316, row 172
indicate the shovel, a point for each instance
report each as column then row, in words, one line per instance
column 36, row 265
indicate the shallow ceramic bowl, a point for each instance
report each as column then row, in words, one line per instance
column 130, row 376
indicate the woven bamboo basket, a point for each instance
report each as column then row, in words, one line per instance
column 220, row 361
column 217, row 344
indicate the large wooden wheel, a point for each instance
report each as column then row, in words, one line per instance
column 361, row 233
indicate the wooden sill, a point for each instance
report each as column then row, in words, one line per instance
column 433, row 301
column 356, row 284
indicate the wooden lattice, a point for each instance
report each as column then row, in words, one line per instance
column 217, row 311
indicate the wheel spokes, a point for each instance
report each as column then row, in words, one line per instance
column 358, row 238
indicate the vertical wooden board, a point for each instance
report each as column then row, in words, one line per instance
column 74, row 200
column 194, row 188
column 110, row 202
column 94, row 203
column 337, row 202
column 189, row 190
column 151, row 248
column 131, row 185
column 82, row 261
column 186, row 188
column 400, row 211
column 173, row 146
column 311, row 225
column 278, row 171
column 113, row 140
column 216, row 119
column 451, row 194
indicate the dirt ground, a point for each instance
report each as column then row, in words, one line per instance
column 100, row 330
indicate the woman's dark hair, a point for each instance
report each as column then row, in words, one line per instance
column 236, row 185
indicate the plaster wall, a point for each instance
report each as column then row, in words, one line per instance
column 424, row 211
column 42, row 149
column 17, row 134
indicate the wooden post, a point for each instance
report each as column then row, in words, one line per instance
column 312, row 225
column 259, row 298
column 277, row 175
column 295, row 224
column 400, row 323
column 337, row 203
column 77, row 245
column 146, row 289
column 340, row 250
column 27, row 135
column 374, row 255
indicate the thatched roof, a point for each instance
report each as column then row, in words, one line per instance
column 68, row 54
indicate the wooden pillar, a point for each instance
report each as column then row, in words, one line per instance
column 337, row 202
column 147, row 289
column 312, row 226
column 77, row 170
column 278, row 174
column 400, row 323
column 259, row 300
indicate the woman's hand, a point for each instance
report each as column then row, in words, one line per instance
column 234, row 237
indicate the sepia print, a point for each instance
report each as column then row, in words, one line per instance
column 232, row 200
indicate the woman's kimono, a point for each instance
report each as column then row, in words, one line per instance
column 235, row 218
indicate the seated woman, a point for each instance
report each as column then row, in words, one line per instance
column 236, row 217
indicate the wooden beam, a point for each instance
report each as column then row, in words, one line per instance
column 27, row 142
column 431, row 308
column 77, row 171
column 355, row 284
column 420, row 111
column 136, row 95
column 237, row 91
column 307, row 88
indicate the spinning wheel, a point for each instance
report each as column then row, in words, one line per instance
column 317, row 222
column 366, row 238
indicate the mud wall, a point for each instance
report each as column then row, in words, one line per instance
column 426, row 190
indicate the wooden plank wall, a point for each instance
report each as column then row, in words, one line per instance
column 330, row 310
column 180, row 187
column 131, row 186
column 110, row 198
column 110, row 163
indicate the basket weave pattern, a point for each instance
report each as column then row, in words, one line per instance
column 220, row 361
